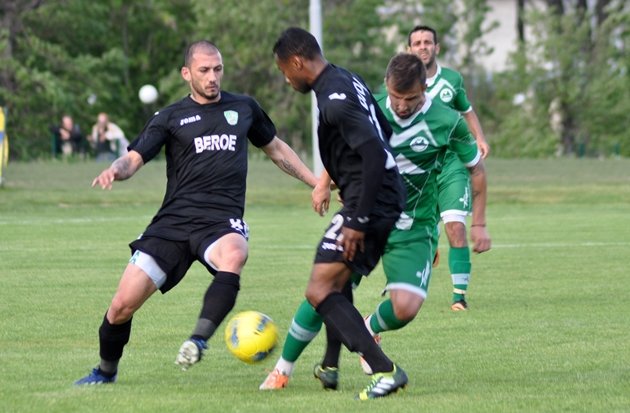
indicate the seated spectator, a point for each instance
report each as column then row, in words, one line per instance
column 68, row 138
column 107, row 139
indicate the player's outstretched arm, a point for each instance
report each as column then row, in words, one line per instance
column 121, row 169
column 475, row 128
column 478, row 231
column 286, row 159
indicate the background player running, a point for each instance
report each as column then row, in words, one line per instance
column 447, row 86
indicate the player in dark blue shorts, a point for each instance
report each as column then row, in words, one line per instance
column 205, row 136
column 352, row 135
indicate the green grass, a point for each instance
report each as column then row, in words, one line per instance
column 547, row 330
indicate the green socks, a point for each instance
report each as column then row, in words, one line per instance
column 459, row 264
column 384, row 318
column 305, row 325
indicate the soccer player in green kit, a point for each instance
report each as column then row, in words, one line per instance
column 447, row 86
column 423, row 131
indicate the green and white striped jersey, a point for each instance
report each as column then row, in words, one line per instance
column 447, row 86
column 419, row 145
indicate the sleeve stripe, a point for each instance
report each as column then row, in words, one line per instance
column 475, row 160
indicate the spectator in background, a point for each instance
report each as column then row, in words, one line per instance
column 68, row 138
column 107, row 139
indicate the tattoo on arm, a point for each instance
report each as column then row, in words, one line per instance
column 288, row 167
column 122, row 168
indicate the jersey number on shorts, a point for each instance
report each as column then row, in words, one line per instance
column 240, row 226
column 335, row 226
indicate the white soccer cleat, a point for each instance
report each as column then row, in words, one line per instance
column 190, row 353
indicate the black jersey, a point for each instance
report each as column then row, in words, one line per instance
column 206, row 160
column 349, row 117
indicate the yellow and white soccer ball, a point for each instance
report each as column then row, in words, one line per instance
column 251, row 336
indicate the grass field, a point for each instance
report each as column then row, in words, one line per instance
column 547, row 331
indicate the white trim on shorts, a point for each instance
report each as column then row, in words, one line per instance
column 148, row 265
column 206, row 253
column 454, row 215
column 406, row 287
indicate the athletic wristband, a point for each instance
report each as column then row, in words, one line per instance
column 478, row 225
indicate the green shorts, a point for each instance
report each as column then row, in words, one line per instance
column 454, row 190
column 408, row 259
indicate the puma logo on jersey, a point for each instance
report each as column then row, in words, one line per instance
column 189, row 119
column 338, row 96
column 215, row 143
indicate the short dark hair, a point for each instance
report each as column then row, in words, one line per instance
column 422, row 28
column 295, row 41
column 404, row 71
column 194, row 46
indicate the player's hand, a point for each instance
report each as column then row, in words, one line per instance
column 320, row 198
column 351, row 241
column 484, row 148
column 480, row 238
column 105, row 179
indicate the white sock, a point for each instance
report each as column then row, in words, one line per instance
column 286, row 367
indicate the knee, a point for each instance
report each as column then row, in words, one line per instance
column 231, row 259
column 119, row 311
column 314, row 296
column 456, row 233
column 238, row 256
column 407, row 310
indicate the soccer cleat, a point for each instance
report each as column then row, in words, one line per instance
column 329, row 376
column 459, row 305
column 364, row 364
column 276, row 380
column 190, row 353
column 384, row 384
column 95, row 377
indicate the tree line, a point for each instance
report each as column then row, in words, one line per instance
column 564, row 91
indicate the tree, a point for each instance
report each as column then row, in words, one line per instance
column 353, row 38
column 520, row 23
column 573, row 70
column 122, row 46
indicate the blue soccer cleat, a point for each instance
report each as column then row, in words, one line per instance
column 96, row 377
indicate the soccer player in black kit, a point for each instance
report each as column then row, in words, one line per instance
column 352, row 133
column 201, row 217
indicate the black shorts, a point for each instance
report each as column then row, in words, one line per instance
column 176, row 257
column 375, row 240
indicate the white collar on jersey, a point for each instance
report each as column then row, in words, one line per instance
column 431, row 80
column 403, row 123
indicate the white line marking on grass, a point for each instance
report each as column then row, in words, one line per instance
column 57, row 221
column 562, row 244
column 494, row 246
